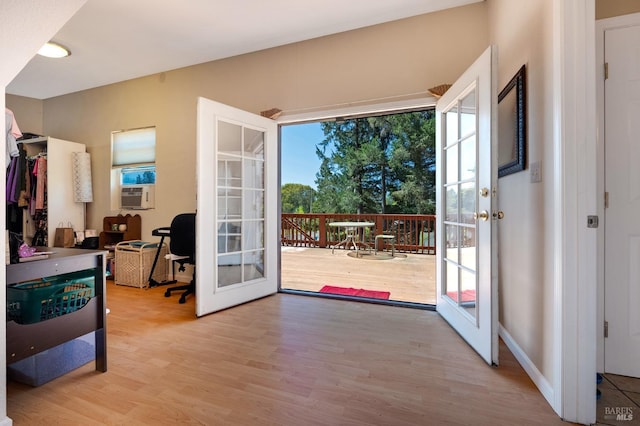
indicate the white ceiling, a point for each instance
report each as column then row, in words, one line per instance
column 117, row 40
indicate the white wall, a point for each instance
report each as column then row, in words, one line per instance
column 523, row 32
column 42, row 18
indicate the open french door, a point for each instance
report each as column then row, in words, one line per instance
column 236, row 221
column 466, row 190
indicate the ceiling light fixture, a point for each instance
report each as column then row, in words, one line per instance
column 53, row 50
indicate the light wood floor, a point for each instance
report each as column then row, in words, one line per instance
column 408, row 277
column 281, row 360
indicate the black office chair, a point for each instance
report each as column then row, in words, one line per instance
column 183, row 250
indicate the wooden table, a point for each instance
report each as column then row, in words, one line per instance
column 352, row 231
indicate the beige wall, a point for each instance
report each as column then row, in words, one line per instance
column 394, row 59
column 610, row 8
column 29, row 112
column 522, row 31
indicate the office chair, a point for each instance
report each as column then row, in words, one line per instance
column 183, row 250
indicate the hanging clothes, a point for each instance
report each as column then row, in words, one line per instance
column 11, row 177
column 21, row 186
column 41, row 177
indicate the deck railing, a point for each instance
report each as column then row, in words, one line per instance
column 413, row 233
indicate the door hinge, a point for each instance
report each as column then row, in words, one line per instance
column 606, row 70
column 606, row 200
column 606, row 329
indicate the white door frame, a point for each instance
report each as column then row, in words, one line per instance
column 574, row 145
column 601, row 27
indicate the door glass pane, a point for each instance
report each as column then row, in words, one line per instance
column 253, row 204
column 451, row 281
column 451, row 163
column 229, row 237
column 253, row 235
column 229, row 138
column 229, row 269
column 451, row 200
column 254, row 265
column 451, row 126
column 253, row 174
column 468, row 158
column 468, row 114
column 229, row 203
column 229, row 171
column 467, row 202
column 253, row 143
column 468, row 292
column 468, row 247
column 452, row 242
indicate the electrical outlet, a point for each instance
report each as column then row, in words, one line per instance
column 536, row 172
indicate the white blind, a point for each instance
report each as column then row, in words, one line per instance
column 133, row 147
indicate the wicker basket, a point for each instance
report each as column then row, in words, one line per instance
column 134, row 260
column 35, row 301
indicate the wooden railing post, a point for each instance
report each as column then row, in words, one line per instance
column 322, row 230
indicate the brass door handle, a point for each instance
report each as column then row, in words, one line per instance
column 484, row 215
column 498, row 215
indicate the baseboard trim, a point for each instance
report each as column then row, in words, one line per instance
column 529, row 367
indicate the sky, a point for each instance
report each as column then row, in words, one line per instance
column 298, row 152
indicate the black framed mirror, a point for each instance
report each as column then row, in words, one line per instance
column 512, row 125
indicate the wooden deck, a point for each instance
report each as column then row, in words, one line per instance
column 408, row 277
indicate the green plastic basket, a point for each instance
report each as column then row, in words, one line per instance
column 33, row 301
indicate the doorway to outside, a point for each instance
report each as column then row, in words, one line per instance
column 358, row 207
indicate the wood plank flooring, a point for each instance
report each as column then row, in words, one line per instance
column 281, row 360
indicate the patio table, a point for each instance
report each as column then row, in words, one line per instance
column 352, row 232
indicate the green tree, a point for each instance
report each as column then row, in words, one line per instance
column 378, row 165
column 413, row 162
column 297, row 198
column 345, row 178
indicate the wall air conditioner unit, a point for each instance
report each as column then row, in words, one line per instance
column 137, row 197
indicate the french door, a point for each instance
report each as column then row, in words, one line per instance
column 236, row 220
column 466, row 190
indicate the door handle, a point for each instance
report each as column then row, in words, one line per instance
column 498, row 215
column 484, row 215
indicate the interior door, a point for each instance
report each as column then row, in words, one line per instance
column 466, row 181
column 236, row 221
column 622, row 182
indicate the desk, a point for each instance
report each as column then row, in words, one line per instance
column 165, row 231
column 25, row 340
column 351, row 228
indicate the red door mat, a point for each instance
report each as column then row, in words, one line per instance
column 466, row 296
column 358, row 292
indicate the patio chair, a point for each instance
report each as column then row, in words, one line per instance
column 386, row 239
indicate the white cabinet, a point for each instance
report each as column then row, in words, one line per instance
column 61, row 209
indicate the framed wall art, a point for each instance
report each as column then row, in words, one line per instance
column 512, row 125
